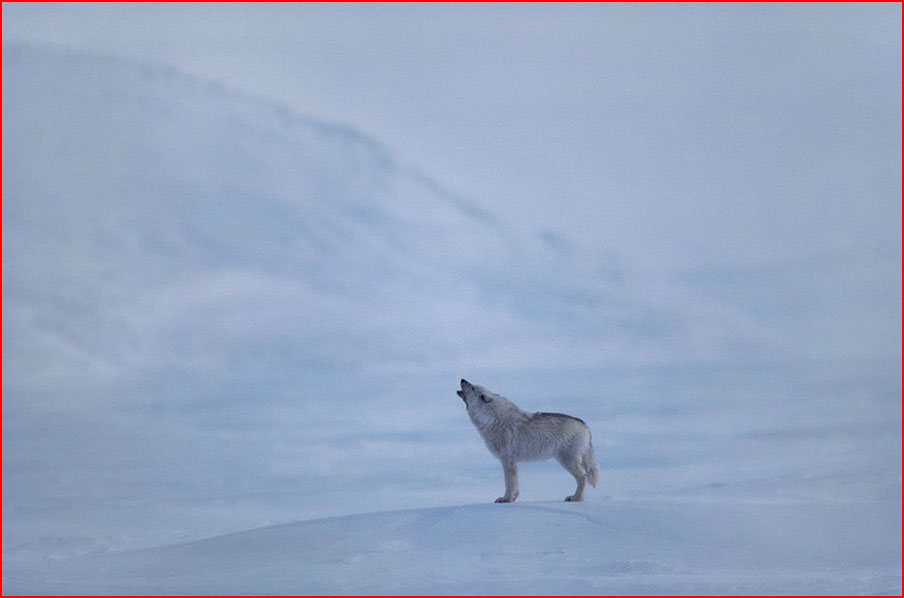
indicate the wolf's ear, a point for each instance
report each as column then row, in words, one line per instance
column 486, row 398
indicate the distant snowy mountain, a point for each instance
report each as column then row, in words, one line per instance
column 155, row 221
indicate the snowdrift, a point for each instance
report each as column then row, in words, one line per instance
column 523, row 548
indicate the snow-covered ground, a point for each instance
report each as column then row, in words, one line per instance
column 610, row 547
column 222, row 316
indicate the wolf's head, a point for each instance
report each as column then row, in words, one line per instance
column 481, row 403
column 471, row 392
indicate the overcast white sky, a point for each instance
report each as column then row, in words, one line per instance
column 671, row 134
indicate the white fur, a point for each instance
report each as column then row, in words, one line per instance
column 514, row 435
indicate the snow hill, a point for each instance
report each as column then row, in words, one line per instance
column 148, row 210
column 530, row 548
column 220, row 315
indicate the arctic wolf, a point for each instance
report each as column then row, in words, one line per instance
column 514, row 435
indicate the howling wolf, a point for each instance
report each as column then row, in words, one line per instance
column 514, row 435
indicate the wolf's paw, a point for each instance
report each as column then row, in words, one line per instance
column 574, row 498
column 504, row 499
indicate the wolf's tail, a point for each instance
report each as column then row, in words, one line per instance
column 591, row 467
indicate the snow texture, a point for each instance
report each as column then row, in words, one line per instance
column 527, row 548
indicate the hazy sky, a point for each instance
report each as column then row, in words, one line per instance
column 671, row 134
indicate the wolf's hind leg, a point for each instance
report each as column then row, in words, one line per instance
column 511, row 482
column 574, row 468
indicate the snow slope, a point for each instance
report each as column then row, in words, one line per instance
column 174, row 210
column 522, row 548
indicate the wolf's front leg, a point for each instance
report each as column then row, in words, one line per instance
column 511, row 482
